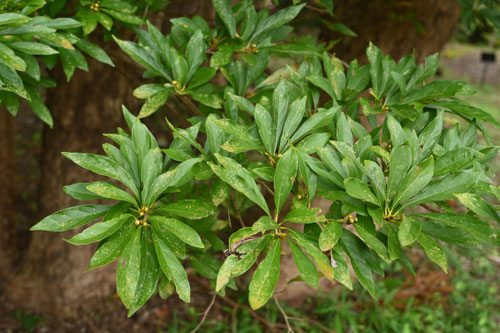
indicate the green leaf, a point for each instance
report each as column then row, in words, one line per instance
column 340, row 273
column 375, row 57
column 33, row 48
column 277, row 20
column 221, row 58
column 225, row 271
column 409, row 230
column 11, row 59
column 293, row 119
column 265, row 125
column 393, row 246
column 210, row 100
column 399, row 163
column 478, row 205
column 13, row 18
column 201, row 76
column 223, row 9
column 100, row 230
column 112, row 247
column 398, row 136
column 356, row 188
column 171, row 267
column 415, row 180
column 467, row 111
column 319, row 119
column 304, row 215
column 433, row 251
column 323, row 84
column 170, row 178
column 455, row 160
column 238, row 131
column 330, row 235
column 95, row 51
column 433, row 90
column 195, row 53
column 124, row 17
column 150, row 169
column 71, row 218
column 38, row 107
column 372, row 241
column 306, row 267
column 351, row 245
column 264, row 223
column 400, row 81
column 240, row 179
column 405, row 111
column 104, row 166
column 284, row 177
column 430, row 136
column 376, row 175
column 129, row 270
column 445, row 188
column 12, row 81
column 141, row 55
column 219, row 192
column 181, row 230
column 265, row 278
column 149, row 275
column 477, row 227
column 153, row 103
column 79, row 191
column 111, row 191
column 188, row 208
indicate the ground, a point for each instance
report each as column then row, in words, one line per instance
column 465, row 300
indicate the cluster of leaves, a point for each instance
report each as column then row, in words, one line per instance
column 31, row 35
column 479, row 15
column 371, row 139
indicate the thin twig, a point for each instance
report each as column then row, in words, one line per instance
column 205, row 313
column 229, row 217
column 284, row 315
column 237, row 213
column 429, row 208
column 316, row 9
column 229, row 301
column 233, row 318
column 313, row 322
column 265, row 186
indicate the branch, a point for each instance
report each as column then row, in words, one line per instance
column 252, row 313
column 290, row 329
column 429, row 208
column 205, row 313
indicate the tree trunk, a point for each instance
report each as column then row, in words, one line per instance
column 52, row 276
column 8, row 227
column 396, row 27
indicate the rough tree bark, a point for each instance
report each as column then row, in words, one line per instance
column 8, row 228
column 397, row 27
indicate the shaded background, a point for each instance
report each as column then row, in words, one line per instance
column 43, row 286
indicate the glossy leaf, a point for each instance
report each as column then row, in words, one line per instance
column 265, row 278
column 71, row 218
column 306, row 267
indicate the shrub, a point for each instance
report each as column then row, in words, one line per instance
column 371, row 139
